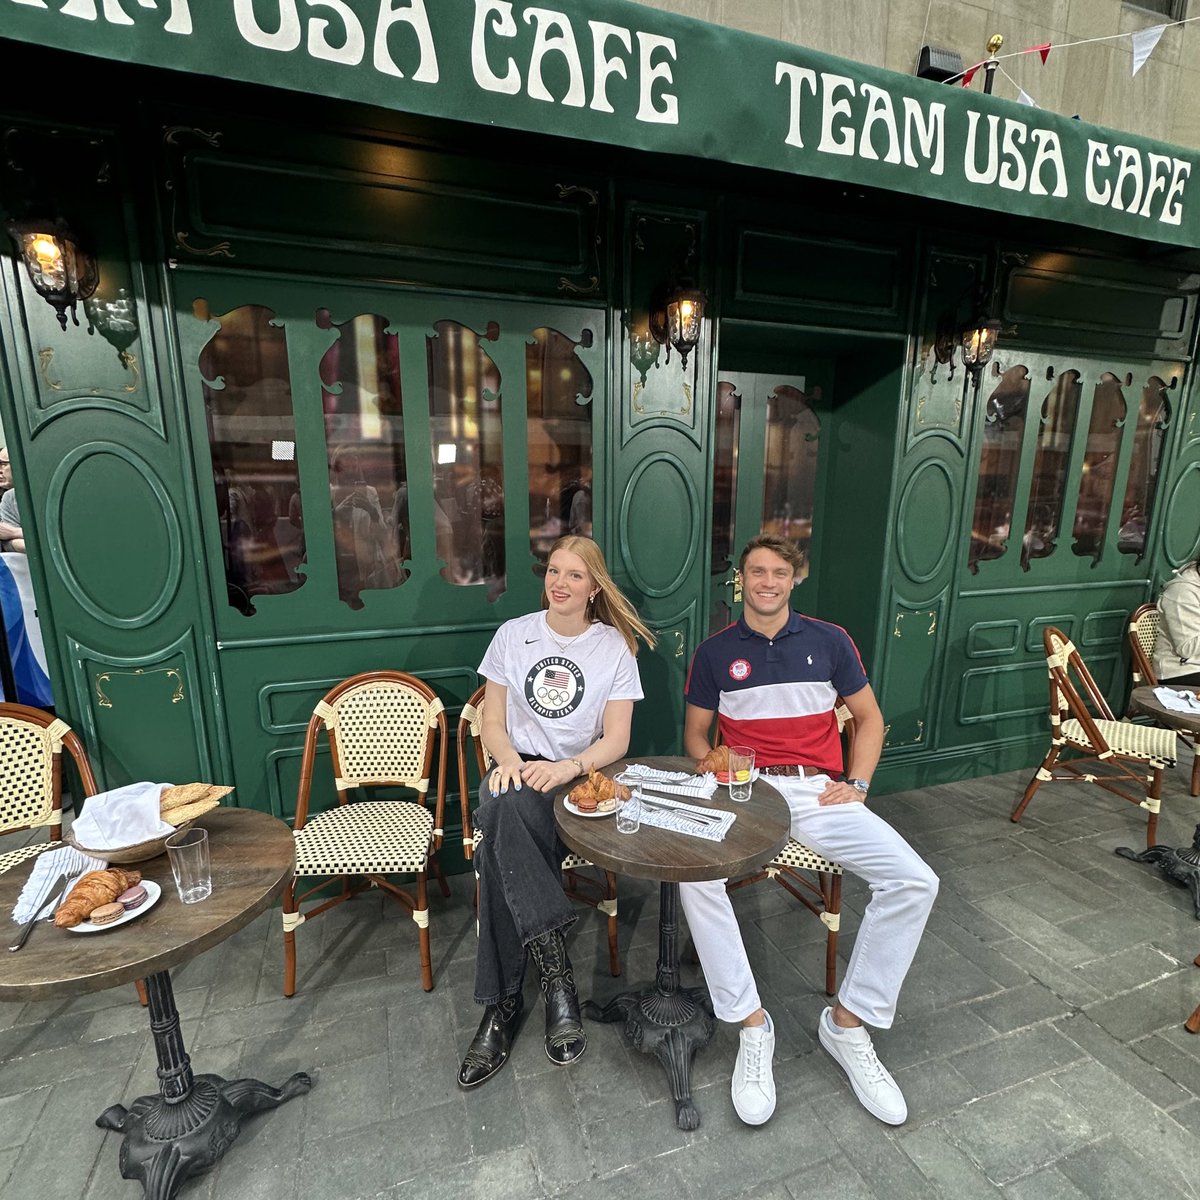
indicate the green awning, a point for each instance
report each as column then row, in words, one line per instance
column 617, row 73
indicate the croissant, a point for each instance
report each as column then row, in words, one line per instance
column 717, row 759
column 94, row 889
column 598, row 788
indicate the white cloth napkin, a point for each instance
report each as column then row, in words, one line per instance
column 123, row 817
column 1177, row 700
column 47, row 867
column 681, row 783
column 666, row 814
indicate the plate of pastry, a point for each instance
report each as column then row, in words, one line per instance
column 604, row 808
column 128, row 906
column 723, row 776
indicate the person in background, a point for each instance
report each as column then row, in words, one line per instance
column 11, row 536
column 772, row 680
column 561, row 685
column 1177, row 647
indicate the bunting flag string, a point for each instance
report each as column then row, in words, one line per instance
column 1144, row 42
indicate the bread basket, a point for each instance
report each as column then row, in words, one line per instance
column 140, row 852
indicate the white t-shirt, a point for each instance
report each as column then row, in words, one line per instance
column 557, row 694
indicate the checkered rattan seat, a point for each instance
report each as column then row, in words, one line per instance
column 383, row 728
column 1089, row 745
column 1155, row 745
column 800, row 858
column 382, row 837
column 15, row 857
column 598, row 890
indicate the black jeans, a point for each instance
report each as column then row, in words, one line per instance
column 519, row 861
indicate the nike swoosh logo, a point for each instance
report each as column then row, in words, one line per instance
column 530, row 641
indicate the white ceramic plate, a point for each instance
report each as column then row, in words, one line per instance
column 589, row 815
column 153, row 892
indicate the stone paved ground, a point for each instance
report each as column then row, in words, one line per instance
column 1040, row 1045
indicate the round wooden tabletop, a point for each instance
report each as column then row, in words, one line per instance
column 757, row 836
column 253, row 856
column 1145, row 701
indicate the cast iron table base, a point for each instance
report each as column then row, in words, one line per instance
column 1181, row 867
column 194, row 1119
column 665, row 1020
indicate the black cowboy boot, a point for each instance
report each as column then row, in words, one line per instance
column 565, row 1040
column 489, row 1048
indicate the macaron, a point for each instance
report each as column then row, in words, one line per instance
column 106, row 913
column 132, row 897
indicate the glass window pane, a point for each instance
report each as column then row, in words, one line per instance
column 558, row 388
column 252, row 435
column 1154, row 415
column 999, row 462
column 364, row 432
column 790, row 468
column 1055, row 434
column 1099, row 467
column 468, row 456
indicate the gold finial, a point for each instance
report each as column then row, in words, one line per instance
column 994, row 43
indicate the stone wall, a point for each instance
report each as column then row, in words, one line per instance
column 1093, row 82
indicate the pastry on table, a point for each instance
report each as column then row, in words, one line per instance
column 717, row 759
column 597, row 792
column 93, row 890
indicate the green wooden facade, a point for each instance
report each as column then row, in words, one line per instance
column 215, row 198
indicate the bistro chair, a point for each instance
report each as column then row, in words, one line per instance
column 1109, row 753
column 811, row 878
column 1143, row 633
column 382, row 728
column 31, row 746
column 598, row 893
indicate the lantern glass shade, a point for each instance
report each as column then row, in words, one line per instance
column 61, row 271
column 685, row 312
column 978, row 342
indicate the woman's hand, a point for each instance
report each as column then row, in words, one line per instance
column 544, row 775
column 504, row 774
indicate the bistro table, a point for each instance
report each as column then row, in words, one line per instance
column 1146, row 702
column 194, row 1119
column 665, row 1020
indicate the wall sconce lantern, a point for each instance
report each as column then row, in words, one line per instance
column 978, row 343
column 676, row 317
column 61, row 271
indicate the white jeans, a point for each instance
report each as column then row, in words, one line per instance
column 902, row 887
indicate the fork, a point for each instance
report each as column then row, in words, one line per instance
column 700, row 818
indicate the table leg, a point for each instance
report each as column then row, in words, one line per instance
column 194, row 1119
column 665, row 1020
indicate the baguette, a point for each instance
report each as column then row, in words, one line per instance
column 184, row 794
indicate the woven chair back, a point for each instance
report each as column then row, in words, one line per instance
column 1143, row 633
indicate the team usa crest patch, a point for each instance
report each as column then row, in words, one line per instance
column 739, row 669
column 554, row 687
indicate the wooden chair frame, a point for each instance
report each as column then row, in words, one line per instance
column 1143, row 633
column 417, row 906
column 595, row 893
column 1096, row 745
column 818, row 888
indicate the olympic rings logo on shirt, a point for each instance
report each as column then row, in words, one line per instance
column 554, row 687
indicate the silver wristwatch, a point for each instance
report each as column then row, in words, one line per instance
column 859, row 785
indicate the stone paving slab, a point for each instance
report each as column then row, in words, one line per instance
column 1039, row 1043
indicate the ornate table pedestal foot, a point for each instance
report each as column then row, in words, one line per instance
column 194, row 1119
column 1181, row 867
column 668, row 1021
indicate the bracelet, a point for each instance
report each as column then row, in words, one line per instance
column 580, row 765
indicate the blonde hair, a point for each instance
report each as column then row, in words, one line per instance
column 609, row 605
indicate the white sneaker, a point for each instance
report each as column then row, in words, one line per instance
column 872, row 1082
column 753, row 1088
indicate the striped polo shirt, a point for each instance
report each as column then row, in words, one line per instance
column 777, row 694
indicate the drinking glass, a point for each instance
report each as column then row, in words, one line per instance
column 629, row 814
column 741, row 770
column 188, row 852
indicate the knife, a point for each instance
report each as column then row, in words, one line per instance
column 54, row 895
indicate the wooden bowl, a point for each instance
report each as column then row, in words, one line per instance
column 129, row 854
